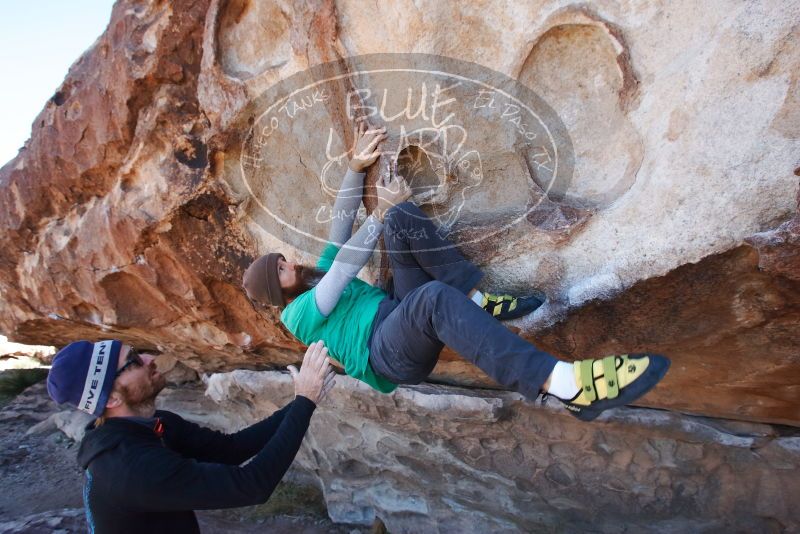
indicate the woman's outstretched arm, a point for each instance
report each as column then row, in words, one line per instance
column 351, row 192
column 357, row 250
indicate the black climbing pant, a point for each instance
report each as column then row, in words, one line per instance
column 428, row 308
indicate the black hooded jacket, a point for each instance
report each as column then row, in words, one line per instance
column 149, row 476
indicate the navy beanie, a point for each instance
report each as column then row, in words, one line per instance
column 83, row 374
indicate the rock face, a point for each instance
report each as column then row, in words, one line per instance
column 142, row 194
column 675, row 231
column 444, row 459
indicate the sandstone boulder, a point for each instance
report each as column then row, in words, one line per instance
column 676, row 232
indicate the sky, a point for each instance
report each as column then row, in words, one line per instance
column 39, row 40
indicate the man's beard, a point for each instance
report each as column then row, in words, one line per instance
column 307, row 277
column 141, row 397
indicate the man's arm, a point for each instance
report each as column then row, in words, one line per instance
column 162, row 479
column 206, row 445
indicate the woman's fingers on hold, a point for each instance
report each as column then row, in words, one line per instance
column 377, row 132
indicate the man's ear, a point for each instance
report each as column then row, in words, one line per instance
column 114, row 400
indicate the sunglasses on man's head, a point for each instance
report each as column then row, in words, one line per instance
column 132, row 359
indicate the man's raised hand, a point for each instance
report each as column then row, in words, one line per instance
column 316, row 377
column 366, row 147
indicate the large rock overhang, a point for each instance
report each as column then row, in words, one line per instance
column 677, row 232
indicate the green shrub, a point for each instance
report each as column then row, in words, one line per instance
column 15, row 381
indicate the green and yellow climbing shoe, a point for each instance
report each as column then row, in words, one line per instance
column 506, row 307
column 614, row 381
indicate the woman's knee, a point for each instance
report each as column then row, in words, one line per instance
column 435, row 289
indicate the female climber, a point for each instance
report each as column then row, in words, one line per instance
column 386, row 339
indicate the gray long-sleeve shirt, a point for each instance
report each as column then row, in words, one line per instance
column 355, row 251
